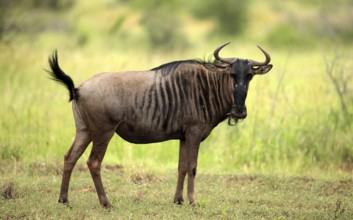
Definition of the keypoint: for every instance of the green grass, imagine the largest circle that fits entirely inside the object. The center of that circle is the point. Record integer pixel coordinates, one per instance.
(31, 191)
(291, 158)
(294, 125)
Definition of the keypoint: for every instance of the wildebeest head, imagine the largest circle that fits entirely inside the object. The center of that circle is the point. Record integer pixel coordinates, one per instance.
(242, 71)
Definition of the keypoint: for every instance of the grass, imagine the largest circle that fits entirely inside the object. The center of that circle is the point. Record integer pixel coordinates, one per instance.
(136, 193)
(291, 158)
(287, 131)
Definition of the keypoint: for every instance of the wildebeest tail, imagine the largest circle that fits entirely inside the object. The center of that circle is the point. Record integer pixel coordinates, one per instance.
(58, 75)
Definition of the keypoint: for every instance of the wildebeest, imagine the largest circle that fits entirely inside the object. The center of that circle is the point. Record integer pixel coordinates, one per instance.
(181, 100)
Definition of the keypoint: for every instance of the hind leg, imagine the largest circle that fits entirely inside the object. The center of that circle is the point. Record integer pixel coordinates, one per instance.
(182, 170)
(100, 143)
(82, 140)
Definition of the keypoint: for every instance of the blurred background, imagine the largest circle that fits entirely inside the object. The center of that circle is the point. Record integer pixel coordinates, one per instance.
(299, 115)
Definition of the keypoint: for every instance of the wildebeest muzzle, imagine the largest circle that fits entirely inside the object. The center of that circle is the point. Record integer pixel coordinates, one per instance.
(237, 113)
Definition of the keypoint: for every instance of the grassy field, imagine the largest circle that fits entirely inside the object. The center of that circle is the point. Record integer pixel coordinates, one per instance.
(31, 191)
(291, 158)
(294, 125)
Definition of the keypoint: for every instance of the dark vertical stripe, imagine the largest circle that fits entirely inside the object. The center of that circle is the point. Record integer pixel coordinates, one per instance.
(169, 104)
(207, 95)
(135, 98)
(195, 96)
(158, 103)
(210, 96)
(187, 86)
(144, 103)
(183, 97)
(148, 101)
(203, 95)
(216, 95)
(155, 107)
(163, 106)
(138, 105)
(177, 100)
(148, 105)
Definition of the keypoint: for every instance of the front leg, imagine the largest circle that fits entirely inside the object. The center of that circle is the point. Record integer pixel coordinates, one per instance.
(192, 167)
(188, 154)
(193, 137)
(187, 165)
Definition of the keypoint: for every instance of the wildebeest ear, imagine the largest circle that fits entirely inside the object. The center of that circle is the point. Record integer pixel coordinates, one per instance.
(263, 69)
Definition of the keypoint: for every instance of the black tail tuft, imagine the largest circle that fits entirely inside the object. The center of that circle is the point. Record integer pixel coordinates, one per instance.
(58, 75)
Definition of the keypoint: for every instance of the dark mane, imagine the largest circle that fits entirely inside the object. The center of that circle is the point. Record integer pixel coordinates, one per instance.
(168, 68)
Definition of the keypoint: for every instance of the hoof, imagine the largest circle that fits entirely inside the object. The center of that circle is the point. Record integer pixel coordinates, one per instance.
(106, 205)
(64, 201)
(179, 201)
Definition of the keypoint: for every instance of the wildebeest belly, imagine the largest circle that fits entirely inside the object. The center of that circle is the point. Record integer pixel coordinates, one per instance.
(135, 134)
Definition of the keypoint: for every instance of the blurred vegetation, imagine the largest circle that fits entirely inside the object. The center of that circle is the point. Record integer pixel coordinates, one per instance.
(18, 16)
(339, 71)
(300, 114)
(305, 24)
(230, 16)
(167, 24)
(161, 24)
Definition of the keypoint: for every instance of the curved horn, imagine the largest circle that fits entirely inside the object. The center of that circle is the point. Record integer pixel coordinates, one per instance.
(215, 53)
(267, 61)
